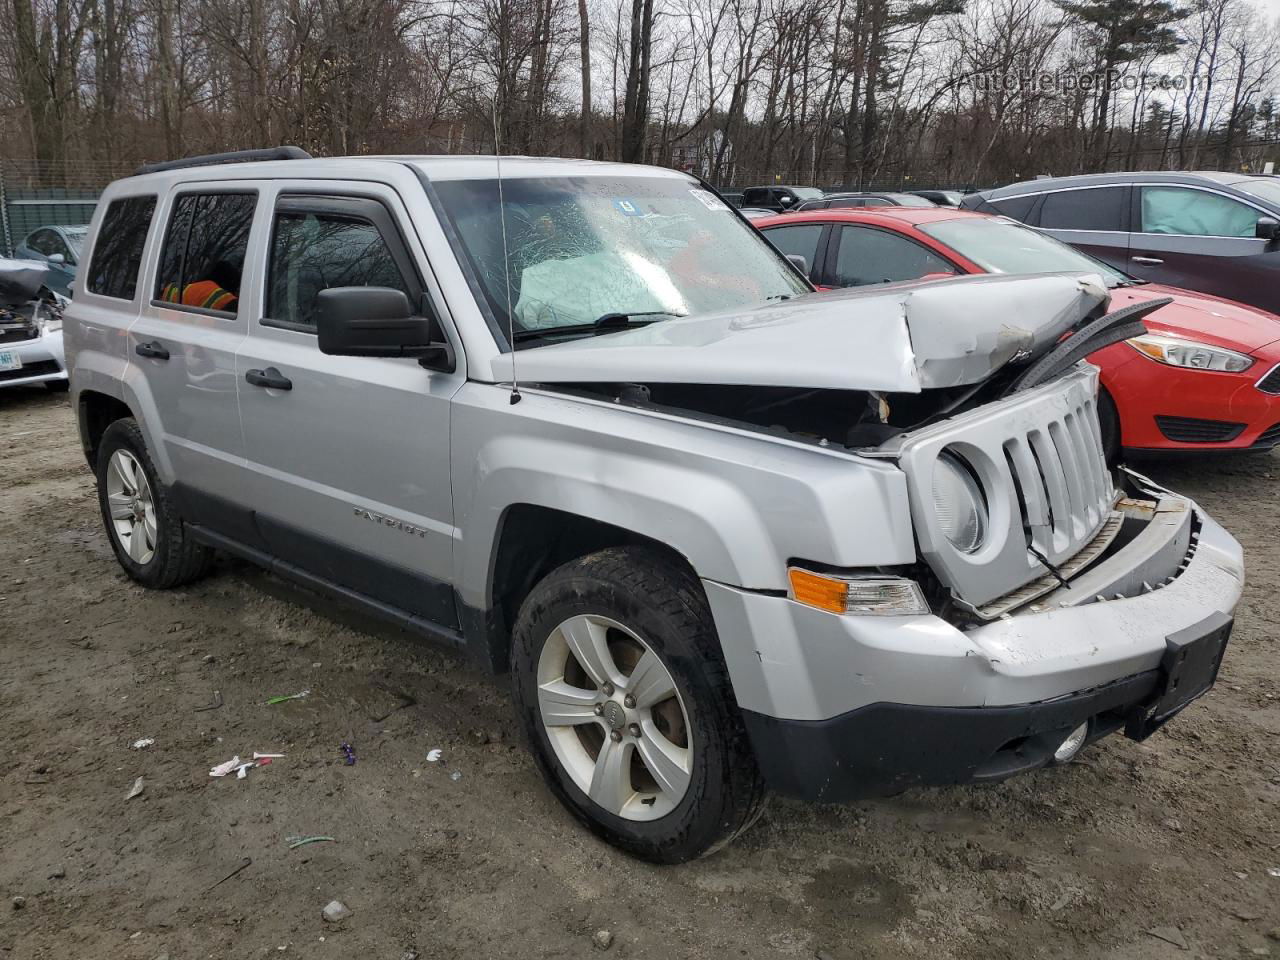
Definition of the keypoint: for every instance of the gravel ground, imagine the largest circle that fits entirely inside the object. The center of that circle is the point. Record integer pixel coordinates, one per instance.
(1146, 850)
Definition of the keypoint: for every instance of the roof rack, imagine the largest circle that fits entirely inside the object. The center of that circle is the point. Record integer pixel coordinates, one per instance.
(234, 156)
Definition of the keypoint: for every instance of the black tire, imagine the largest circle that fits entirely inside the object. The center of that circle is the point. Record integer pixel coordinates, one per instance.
(177, 558)
(57, 386)
(1109, 421)
(662, 603)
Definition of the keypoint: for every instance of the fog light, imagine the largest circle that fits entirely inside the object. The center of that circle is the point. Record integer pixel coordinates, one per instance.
(1069, 747)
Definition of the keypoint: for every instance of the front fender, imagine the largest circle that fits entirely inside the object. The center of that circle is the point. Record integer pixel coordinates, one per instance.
(739, 506)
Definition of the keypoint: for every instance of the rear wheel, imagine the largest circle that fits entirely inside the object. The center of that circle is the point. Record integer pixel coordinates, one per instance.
(627, 704)
(142, 521)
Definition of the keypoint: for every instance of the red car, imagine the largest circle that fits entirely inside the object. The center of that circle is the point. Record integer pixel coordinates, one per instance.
(1205, 377)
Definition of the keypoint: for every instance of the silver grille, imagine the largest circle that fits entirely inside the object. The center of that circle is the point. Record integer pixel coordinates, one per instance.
(1038, 457)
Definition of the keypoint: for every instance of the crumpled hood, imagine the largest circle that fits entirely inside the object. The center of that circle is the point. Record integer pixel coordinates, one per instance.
(20, 280)
(901, 338)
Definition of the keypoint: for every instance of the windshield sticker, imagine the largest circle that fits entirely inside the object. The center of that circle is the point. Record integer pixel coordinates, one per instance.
(628, 208)
(709, 200)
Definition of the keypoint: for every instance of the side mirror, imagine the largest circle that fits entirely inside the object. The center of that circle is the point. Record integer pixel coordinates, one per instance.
(1267, 228)
(378, 322)
(58, 259)
(786, 201)
(799, 262)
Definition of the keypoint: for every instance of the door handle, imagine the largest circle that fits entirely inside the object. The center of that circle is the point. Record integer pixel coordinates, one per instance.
(155, 350)
(271, 378)
(1151, 260)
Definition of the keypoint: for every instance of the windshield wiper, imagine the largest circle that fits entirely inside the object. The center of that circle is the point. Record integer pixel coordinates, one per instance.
(621, 321)
(608, 323)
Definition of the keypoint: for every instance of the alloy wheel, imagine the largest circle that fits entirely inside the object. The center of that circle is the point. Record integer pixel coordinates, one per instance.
(132, 506)
(614, 718)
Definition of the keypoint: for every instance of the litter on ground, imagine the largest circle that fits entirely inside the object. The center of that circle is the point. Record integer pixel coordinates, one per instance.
(303, 841)
(222, 769)
(300, 695)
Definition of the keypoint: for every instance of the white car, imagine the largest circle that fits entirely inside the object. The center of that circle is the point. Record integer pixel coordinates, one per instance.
(30, 328)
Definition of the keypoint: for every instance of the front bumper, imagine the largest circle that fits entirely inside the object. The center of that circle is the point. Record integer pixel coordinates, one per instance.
(43, 359)
(1144, 391)
(819, 690)
(884, 748)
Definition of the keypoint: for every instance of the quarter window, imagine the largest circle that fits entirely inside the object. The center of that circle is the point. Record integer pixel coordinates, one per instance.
(313, 251)
(1101, 208)
(876, 256)
(1195, 213)
(1018, 208)
(204, 250)
(117, 252)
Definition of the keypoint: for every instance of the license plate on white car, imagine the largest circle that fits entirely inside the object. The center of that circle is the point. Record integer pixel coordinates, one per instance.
(9, 360)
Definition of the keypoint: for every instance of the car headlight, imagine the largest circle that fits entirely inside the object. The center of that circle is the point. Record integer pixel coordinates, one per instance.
(959, 504)
(1177, 352)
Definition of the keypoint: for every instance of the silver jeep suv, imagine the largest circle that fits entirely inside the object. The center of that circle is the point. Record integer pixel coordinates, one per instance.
(580, 421)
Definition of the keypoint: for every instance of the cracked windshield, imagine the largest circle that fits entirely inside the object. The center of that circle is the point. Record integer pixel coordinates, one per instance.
(590, 254)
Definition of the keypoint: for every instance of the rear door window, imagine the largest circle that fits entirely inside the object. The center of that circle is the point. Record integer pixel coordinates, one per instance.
(868, 256)
(204, 251)
(312, 250)
(1195, 213)
(755, 198)
(1100, 208)
(117, 251)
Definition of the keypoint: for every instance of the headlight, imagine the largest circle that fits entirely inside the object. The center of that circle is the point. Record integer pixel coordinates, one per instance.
(958, 503)
(1188, 353)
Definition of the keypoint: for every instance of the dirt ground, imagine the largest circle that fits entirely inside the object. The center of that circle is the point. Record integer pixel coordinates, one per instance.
(1174, 836)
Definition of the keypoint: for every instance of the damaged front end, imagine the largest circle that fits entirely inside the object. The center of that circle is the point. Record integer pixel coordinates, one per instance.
(973, 387)
(1055, 529)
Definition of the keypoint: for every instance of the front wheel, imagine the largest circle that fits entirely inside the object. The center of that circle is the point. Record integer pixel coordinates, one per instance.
(627, 704)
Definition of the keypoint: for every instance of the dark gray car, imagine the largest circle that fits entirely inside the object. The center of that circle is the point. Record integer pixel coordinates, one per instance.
(1217, 233)
(838, 201)
(779, 198)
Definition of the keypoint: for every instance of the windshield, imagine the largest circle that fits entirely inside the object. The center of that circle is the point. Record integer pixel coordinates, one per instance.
(1268, 190)
(75, 238)
(582, 248)
(911, 200)
(1001, 246)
